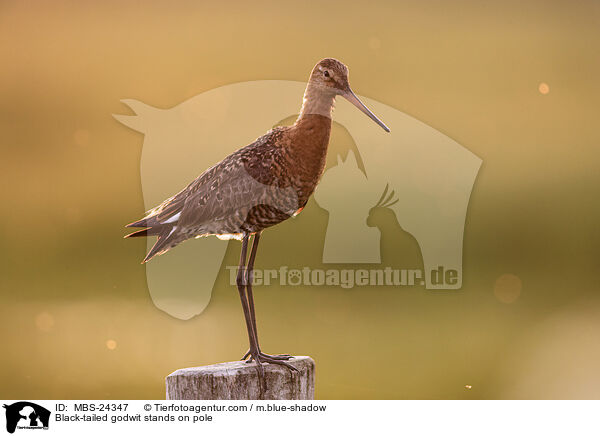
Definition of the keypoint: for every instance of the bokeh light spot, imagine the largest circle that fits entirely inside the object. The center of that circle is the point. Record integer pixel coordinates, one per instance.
(468, 387)
(507, 288)
(111, 344)
(544, 88)
(44, 321)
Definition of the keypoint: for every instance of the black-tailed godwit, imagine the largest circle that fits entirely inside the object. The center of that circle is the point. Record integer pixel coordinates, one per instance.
(256, 187)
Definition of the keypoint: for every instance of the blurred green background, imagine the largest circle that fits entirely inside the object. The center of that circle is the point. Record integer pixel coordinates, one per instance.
(76, 317)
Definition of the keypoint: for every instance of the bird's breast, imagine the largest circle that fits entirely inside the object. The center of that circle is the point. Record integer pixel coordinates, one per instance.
(308, 154)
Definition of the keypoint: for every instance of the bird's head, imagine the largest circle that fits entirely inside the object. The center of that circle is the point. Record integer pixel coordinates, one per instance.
(330, 76)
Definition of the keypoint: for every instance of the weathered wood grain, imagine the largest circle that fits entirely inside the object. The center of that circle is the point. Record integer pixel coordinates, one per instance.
(239, 381)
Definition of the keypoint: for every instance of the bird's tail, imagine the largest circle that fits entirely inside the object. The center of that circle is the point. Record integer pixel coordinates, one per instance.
(164, 242)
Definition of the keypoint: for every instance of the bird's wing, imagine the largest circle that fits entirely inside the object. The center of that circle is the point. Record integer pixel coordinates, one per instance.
(230, 189)
(237, 186)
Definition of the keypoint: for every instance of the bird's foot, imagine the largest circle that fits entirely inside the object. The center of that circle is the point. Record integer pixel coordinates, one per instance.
(279, 359)
(267, 356)
(259, 357)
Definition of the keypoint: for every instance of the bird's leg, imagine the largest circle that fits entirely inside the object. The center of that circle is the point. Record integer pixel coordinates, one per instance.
(250, 295)
(242, 290)
(249, 277)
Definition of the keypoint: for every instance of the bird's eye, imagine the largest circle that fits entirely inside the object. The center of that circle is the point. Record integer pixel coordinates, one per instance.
(326, 73)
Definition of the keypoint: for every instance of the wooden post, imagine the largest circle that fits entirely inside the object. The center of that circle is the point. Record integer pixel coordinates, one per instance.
(239, 381)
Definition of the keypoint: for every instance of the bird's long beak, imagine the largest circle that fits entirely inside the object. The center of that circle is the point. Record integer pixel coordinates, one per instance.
(352, 98)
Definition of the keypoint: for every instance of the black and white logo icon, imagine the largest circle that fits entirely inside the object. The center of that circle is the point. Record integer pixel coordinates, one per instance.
(26, 415)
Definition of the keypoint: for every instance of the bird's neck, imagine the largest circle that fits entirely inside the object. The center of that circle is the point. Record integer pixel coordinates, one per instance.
(310, 138)
(311, 129)
(317, 102)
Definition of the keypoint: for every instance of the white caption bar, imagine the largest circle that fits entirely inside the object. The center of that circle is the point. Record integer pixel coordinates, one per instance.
(302, 417)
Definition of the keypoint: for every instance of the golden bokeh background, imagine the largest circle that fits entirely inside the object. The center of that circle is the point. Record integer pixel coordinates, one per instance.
(514, 82)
